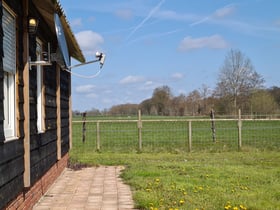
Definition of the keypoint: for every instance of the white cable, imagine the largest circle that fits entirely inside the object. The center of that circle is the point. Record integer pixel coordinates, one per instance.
(83, 76)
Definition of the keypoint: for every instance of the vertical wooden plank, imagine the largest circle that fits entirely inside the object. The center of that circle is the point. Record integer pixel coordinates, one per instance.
(139, 123)
(43, 98)
(190, 136)
(239, 130)
(58, 113)
(70, 114)
(98, 136)
(26, 127)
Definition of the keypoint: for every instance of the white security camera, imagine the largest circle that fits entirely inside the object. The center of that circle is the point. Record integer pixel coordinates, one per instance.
(100, 57)
(102, 60)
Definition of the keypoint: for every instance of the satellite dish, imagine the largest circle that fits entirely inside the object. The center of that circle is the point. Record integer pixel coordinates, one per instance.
(61, 40)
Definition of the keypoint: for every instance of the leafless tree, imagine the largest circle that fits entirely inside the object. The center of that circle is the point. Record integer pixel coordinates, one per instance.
(194, 102)
(237, 77)
(179, 105)
(205, 92)
(161, 99)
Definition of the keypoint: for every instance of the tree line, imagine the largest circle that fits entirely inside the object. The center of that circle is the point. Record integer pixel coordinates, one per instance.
(238, 86)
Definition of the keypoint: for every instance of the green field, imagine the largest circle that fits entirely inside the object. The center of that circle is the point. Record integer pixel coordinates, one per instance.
(173, 135)
(165, 175)
(228, 180)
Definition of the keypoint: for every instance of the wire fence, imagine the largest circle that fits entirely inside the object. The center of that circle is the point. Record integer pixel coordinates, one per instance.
(173, 135)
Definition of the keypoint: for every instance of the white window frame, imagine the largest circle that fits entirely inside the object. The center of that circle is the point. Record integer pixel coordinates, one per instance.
(40, 96)
(9, 66)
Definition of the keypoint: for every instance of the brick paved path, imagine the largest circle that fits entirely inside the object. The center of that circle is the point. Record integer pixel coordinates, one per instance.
(95, 188)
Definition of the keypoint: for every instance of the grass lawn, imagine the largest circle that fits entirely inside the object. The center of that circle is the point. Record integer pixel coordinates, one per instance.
(199, 180)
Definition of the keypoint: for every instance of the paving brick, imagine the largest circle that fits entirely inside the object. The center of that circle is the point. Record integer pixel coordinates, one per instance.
(91, 188)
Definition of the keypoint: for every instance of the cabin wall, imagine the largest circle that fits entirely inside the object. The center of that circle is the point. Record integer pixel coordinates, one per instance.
(45, 165)
(65, 92)
(11, 152)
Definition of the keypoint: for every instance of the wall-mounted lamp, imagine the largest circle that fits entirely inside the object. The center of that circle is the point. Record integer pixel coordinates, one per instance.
(32, 25)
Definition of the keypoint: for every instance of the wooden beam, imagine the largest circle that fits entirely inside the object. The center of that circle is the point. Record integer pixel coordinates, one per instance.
(26, 139)
(58, 113)
(70, 113)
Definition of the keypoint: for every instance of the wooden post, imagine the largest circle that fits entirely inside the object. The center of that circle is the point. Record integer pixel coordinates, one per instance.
(213, 127)
(139, 125)
(58, 113)
(239, 124)
(70, 114)
(98, 136)
(26, 108)
(84, 127)
(190, 136)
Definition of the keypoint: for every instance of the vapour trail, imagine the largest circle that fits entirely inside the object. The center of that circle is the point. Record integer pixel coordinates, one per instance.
(146, 18)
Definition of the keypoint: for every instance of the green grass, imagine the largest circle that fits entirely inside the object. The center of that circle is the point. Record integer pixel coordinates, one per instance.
(172, 136)
(198, 180)
(164, 175)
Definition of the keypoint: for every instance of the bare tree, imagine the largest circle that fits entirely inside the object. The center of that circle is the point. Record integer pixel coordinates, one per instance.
(205, 92)
(179, 105)
(237, 77)
(161, 99)
(193, 102)
(146, 106)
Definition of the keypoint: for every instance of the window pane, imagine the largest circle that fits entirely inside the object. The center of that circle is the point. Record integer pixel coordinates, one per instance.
(9, 42)
(9, 65)
(9, 105)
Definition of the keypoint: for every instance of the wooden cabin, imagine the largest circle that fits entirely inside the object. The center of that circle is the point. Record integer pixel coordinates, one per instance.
(35, 108)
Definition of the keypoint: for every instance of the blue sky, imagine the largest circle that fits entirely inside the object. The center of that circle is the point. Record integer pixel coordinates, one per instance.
(179, 43)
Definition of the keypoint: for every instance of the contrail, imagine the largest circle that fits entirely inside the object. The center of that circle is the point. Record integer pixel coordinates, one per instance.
(200, 21)
(167, 33)
(222, 12)
(146, 18)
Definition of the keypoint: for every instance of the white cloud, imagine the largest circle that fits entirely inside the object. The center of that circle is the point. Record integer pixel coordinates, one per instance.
(92, 95)
(85, 88)
(213, 42)
(131, 79)
(218, 14)
(89, 41)
(225, 11)
(177, 75)
(149, 85)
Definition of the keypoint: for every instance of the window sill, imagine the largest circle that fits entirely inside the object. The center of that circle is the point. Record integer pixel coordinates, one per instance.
(13, 138)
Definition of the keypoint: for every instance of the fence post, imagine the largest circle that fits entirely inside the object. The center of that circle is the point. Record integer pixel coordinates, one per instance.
(239, 130)
(190, 136)
(139, 125)
(84, 126)
(97, 136)
(213, 127)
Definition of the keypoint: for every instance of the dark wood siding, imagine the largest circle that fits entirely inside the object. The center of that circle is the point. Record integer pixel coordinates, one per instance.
(43, 146)
(11, 152)
(65, 84)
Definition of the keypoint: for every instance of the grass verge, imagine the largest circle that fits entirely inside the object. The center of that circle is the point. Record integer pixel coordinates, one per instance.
(228, 180)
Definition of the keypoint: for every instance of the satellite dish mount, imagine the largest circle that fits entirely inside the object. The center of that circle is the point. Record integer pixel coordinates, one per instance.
(62, 55)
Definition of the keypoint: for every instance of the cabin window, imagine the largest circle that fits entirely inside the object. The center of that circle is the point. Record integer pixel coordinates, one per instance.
(9, 66)
(40, 95)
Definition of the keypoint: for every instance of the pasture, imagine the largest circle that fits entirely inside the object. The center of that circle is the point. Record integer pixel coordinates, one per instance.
(164, 174)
